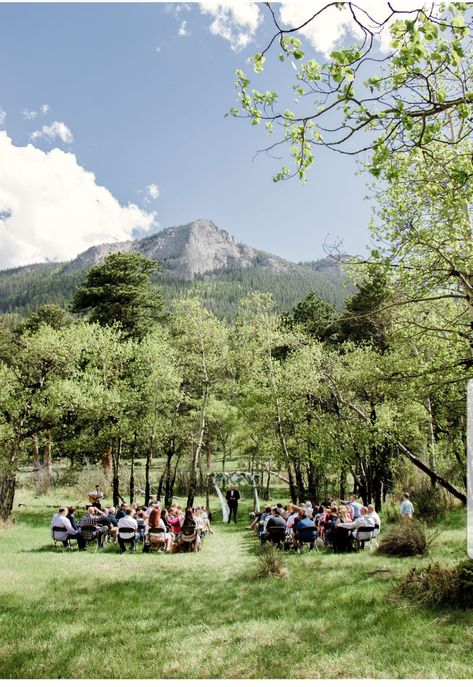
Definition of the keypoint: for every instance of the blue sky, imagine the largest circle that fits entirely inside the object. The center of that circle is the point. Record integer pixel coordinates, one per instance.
(142, 99)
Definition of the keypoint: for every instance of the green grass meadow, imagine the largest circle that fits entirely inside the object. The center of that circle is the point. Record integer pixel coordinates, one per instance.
(103, 615)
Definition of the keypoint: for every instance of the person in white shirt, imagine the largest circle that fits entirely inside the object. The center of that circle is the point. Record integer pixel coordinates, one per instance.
(373, 514)
(407, 509)
(365, 520)
(61, 520)
(129, 522)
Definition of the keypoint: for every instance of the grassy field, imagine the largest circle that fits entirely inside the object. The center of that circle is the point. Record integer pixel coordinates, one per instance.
(101, 615)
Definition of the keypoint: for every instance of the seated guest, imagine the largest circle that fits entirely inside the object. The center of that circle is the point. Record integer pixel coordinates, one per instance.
(153, 504)
(373, 514)
(121, 512)
(322, 522)
(308, 509)
(201, 523)
(363, 521)
(71, 512)
(305, 530)
(206, 519)
(96, 524)
(155, 520)
(95, 496)
(174, 521)
(141, 522)
(331, 523)
(262, 519)
(328, 501)
(275, 520)
(130, 523)
(112, 523)
(189, 519)
(61, 520)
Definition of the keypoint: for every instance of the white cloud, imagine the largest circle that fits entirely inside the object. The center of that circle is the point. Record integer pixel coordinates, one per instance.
(55, 130)
(235, 21)
(29, 114)
(327, 31)
(32, 114)
(51, 208)
(152, 191)
(183, 32)
(3, 116)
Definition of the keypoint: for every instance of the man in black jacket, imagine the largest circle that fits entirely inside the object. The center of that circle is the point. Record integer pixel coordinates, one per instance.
(232, 496)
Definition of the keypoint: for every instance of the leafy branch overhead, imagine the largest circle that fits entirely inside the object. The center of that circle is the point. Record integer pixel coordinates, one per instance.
(362, 100)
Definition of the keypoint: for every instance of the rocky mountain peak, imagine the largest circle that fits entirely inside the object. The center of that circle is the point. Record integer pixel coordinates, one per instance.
(186, 251)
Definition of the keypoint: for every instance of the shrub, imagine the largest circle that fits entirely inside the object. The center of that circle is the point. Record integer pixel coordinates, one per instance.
(271, 562)
(406, 539)
(439, 586)
(429, 504)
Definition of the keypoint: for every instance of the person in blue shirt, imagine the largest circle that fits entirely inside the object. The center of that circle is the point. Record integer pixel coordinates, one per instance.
(406, 509)
(305, 531)
(355, 506)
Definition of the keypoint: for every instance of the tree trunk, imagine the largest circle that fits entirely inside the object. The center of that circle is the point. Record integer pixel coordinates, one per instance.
(299, 481)
(149, 461)
(169, 484)
(198, 448)
(8, 483)
(132, 470)
(432, 461)
(343, 482)
(268, 484)
(173, 480)
(207, 483)
(35, 447)
(116, 472)
(7, 495)
(159, 493)
(47, 456)
(107, 460)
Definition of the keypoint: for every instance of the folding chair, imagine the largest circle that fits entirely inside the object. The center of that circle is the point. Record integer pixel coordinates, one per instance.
(307, 535)
(92, 530)
(131, 540)
(190, 538)
(155, 539)
(56, 532)
(276, 535)
(364, 535)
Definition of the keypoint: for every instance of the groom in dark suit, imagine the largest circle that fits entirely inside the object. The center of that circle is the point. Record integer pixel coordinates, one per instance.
(232, 496)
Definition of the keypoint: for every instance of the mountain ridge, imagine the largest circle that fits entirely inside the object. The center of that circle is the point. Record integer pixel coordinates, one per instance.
(195, 258)
(185, 251)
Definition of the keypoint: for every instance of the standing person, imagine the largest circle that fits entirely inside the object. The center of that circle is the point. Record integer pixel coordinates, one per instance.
(407, 509)
(232, 496)
(354, 506)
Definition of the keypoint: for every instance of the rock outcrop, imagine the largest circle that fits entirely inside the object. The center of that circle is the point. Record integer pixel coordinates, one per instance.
(186, 251)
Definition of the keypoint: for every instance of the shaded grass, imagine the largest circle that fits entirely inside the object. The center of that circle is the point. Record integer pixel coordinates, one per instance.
(92, 615)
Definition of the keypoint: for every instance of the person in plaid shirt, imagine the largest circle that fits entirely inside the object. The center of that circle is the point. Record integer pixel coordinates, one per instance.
(99, 521)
